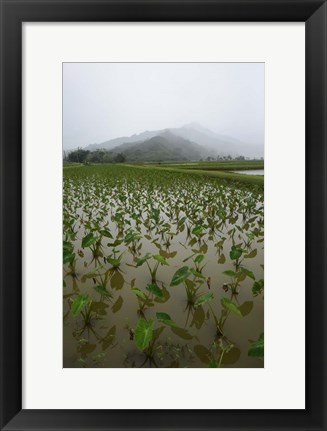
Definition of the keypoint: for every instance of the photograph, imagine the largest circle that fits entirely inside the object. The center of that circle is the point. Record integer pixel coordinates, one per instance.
(163, 215)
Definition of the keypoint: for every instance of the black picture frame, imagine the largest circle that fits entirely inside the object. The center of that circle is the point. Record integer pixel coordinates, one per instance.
(13, 14)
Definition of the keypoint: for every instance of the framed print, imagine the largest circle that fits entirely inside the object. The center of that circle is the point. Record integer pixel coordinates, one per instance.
(152, 276)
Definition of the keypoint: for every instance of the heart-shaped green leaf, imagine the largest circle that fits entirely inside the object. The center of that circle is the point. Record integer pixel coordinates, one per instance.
(229, 273)
(229, 305)
(143, 333)
(257, 348)
(197, 230)
(153, 288)
(88, 240)
(143, 259)
(165, 318)
(160, 259)
(203, 299)
(180, 275)
(79, 303)
(235, 253)
(139, 293)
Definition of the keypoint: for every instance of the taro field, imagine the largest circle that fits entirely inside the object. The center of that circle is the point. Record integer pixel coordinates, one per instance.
(161, 269)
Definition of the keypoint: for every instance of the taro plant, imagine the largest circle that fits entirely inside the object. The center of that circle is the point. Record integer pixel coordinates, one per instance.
(94, 243)
(144, 299)
(82, 305)
(256, 349)
(145, 337)
(132, 241)
(160, 260)
(194, 299)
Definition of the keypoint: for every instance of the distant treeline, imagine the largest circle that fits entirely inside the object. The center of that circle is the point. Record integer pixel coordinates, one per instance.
(104, 156)
(98, 156)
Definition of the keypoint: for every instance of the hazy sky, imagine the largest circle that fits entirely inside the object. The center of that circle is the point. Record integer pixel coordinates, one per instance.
(102, 101)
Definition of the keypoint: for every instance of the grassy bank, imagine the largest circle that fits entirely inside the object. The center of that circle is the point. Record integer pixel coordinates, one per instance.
(219, 170)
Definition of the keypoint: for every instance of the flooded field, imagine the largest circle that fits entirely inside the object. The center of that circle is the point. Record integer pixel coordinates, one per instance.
(251, 172)
(161, 269)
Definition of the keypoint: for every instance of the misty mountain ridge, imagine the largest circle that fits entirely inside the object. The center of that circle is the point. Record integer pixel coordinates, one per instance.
(189, 142)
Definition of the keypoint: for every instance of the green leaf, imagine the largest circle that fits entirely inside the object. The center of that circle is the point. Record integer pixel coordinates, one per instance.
(257, 348)
(235, 252)
(197, 230)
(68, 246)
(248, 273)
(165, 296)
(188, 258)
(257, 287)
(114, 262)
(165, 318)
(139, 293)
(79, 303)
(213, 364)
(153, 288)
(68, 257)
(229, 273)
(106, 233)
(229, 305)
(196, 273)
(199, 258)
(115, 243)
(143, 333)
(180, 275)
(91, 273)
(181, 221)
(253, 253)
(143, 259)
(160, 259)
(203, 299)
(88, 240)
(129, 237)
(103, 291)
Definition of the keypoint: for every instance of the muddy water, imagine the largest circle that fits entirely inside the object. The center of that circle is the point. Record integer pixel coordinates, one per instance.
(193, 342)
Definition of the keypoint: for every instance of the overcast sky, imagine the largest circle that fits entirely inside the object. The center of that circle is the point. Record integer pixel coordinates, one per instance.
(102, 101)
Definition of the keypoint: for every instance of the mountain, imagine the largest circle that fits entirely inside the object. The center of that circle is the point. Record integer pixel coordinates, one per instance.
(189, 142)
(163, 147)
(221, 144)
(112, 143)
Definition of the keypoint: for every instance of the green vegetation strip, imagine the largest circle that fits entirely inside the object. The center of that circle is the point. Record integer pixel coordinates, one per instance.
(256, 180)
(231, 165)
